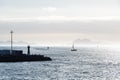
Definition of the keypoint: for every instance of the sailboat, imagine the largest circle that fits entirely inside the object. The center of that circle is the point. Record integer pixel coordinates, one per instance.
(73, 48)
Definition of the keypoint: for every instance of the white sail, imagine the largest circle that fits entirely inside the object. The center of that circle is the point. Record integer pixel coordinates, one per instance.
(73, 48)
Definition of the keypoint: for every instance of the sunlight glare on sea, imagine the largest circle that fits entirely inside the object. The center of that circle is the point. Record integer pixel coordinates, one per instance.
(88, 63)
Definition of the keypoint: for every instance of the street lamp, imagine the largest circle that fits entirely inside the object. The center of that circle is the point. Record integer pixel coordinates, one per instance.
(11, 50)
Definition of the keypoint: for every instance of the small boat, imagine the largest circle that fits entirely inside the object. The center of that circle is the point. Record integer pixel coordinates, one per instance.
(48, 48)
(73, 48)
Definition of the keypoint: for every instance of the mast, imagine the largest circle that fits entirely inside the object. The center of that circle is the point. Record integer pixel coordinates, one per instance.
(11, 42)
(73, 46)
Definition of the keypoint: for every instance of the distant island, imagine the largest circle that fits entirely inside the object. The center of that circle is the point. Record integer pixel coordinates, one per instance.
(85, 42)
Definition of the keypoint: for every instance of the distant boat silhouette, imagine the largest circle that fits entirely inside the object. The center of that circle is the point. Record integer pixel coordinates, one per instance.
(73, 48)
(48, 48)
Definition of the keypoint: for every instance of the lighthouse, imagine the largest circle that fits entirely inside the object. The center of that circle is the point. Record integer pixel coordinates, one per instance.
(28, 52)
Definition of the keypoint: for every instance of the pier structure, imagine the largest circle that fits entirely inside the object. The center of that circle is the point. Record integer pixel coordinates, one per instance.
(12, 55)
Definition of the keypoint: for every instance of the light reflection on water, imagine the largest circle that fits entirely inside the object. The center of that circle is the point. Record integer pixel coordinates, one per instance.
(84, 64)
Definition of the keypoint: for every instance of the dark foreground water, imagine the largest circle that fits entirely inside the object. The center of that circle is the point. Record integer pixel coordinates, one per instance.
(84, 64)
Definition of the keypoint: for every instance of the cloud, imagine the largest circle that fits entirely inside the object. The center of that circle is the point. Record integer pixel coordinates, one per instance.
(15, 43)
(49, 9)
(58, 18)
(69, 8)
(89, 17)
(60, 26)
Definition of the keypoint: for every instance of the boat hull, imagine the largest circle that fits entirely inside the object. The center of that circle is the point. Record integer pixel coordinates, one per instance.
(73, 49)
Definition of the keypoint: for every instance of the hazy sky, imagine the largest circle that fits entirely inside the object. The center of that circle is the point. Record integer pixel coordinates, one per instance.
(52, 22)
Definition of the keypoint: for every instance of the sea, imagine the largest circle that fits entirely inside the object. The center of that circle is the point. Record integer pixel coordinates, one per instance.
(87, 63)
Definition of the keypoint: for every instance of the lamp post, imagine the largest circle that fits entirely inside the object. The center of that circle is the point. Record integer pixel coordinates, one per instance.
(11, 42)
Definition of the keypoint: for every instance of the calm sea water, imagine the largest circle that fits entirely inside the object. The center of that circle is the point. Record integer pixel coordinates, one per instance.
(87, 63)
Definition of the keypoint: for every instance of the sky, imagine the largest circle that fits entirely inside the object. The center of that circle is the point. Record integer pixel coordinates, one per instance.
(60, 22)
